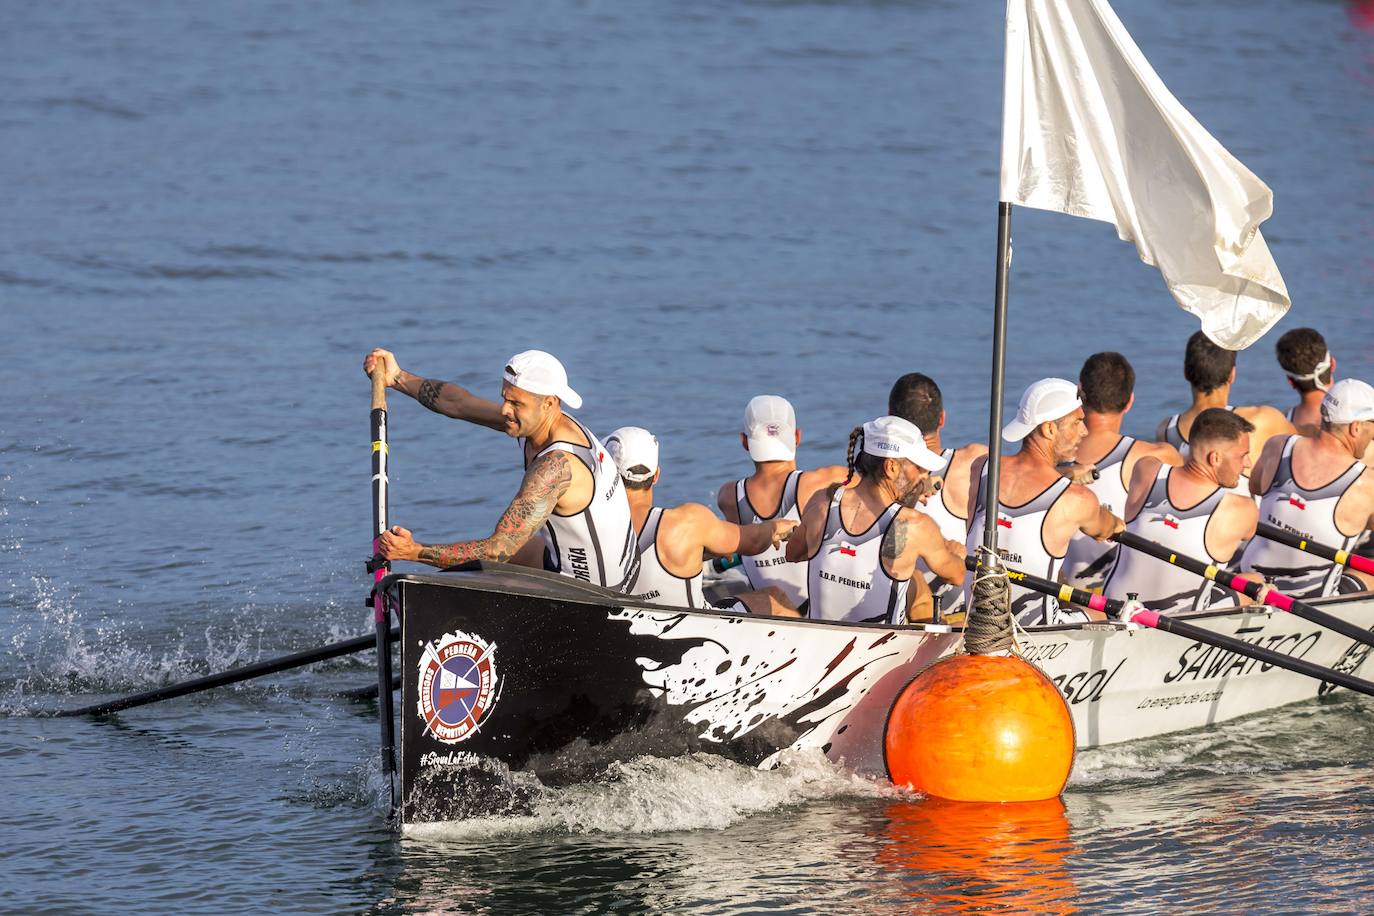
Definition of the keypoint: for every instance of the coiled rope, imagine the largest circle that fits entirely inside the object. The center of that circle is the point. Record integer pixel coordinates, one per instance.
(988, 627)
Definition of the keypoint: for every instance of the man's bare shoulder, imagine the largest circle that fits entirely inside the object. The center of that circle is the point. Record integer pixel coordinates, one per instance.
(689, 514)
(825, 476)
(967, 454)
(1161, 452)
(1264, 416)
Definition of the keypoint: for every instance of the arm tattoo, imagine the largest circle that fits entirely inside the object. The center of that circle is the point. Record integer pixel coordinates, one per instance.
(430, 390)
(894, 545)
(545, 483)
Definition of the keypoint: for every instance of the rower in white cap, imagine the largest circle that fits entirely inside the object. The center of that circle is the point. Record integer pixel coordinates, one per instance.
(862, 544)
(776, 490)
(1039, 510)
(673, 541)
(1319, 489)
(571, 493)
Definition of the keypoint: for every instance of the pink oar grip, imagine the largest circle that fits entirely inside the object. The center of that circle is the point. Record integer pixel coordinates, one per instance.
(1363, 564)
(1146, 618)
(1279, 600)
(1098, 603)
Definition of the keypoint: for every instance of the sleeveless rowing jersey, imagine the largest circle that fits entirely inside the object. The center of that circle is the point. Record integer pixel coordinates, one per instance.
(1310, 514)
(656, 584)
(1021, 543)
(596, 545)
(1088, 561)
(771, 566)
(845, 576)
(952, 528)
(1162, 586)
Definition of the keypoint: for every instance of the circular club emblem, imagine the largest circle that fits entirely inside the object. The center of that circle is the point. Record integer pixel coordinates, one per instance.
(458, 685)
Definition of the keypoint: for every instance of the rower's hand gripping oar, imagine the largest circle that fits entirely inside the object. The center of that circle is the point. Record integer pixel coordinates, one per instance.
(1156, 621)
(1298, 542)
(379, 568)
(1235, 583)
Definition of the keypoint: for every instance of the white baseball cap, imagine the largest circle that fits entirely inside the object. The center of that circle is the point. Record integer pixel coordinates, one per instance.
(633, 447)
(541, 373)
(1046, 400)
(770, 425)
(1348, 401)
(893, 437)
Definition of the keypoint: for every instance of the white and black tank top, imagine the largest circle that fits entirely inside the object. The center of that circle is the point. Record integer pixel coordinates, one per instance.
(947, 596)
(1310, 514)
(654, 583)
(845, 576)
(1021, 543)
(596, 545)
(1089, 560)
(771, 566)
(1161, 586)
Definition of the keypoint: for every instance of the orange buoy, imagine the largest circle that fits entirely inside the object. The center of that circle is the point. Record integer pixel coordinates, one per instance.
(980, 728)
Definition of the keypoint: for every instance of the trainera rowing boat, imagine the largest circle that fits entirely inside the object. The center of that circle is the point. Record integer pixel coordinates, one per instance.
(507, 670)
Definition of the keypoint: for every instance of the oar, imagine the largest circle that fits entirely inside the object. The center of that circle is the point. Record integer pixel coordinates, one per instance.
(224, 678)
(1297, 542)
(1235, 583)
(1157, 621)
(379, 568)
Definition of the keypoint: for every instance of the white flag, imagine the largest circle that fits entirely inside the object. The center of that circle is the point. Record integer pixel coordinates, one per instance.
(1089, 129)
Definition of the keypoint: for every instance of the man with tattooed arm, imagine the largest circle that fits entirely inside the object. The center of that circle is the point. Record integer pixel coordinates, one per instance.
(571, 493)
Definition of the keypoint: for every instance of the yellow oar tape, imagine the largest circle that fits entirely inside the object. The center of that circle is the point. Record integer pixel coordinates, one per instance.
(380, 446)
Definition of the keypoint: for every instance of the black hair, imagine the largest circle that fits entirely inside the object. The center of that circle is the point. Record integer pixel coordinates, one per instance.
(1299, 351)
(1107, 380)
(855, 458)
(1205, 365)
(916, 398)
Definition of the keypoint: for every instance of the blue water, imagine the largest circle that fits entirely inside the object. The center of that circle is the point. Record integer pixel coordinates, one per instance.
(211, 212)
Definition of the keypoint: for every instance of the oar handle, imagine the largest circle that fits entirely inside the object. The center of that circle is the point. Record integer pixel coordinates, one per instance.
(1235, 583)
(1298, 542)
(379, 385)
(1058, 590)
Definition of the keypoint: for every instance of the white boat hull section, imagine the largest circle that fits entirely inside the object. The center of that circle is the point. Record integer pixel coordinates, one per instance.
(836, 684)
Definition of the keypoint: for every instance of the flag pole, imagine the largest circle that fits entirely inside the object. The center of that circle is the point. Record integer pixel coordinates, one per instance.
(999, 365)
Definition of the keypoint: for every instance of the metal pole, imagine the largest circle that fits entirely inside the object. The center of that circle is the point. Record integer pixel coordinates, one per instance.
(380, 614)
(999, 365)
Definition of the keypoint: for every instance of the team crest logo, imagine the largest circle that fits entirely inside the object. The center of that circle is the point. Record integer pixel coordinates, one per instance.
(1296, 501)
(458, 685)
(1169, 520)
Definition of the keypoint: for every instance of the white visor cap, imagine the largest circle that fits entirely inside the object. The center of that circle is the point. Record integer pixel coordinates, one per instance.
(1048, 399)
(633, 447)
(1348, 401)
(893, 437)
(770, 425)
(541, 373)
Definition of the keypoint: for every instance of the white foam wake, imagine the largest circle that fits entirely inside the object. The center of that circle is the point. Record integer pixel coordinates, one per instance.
(656, 795)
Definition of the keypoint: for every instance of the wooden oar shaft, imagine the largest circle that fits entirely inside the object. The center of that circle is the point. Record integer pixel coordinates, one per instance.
(1158, 621)
(1298, 542)
(224, 678)
(1235, 583)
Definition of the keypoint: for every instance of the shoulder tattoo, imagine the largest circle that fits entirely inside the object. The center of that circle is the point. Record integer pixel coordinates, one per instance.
(894, 545)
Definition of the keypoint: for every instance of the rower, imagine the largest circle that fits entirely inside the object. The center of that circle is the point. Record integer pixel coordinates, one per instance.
(771, 438)
(1310, 368)
(1211, 371)
(1337, 512)
(1193, 510)
(861, 544)
(1106, 383)
(917, 399)
(1039, 510)
(571, 493)
(673, 541)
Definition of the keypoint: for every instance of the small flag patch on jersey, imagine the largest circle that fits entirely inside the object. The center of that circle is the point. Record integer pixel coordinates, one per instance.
(1294, 500)
(1003, 521)
(1170, 521)
(848, 551)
